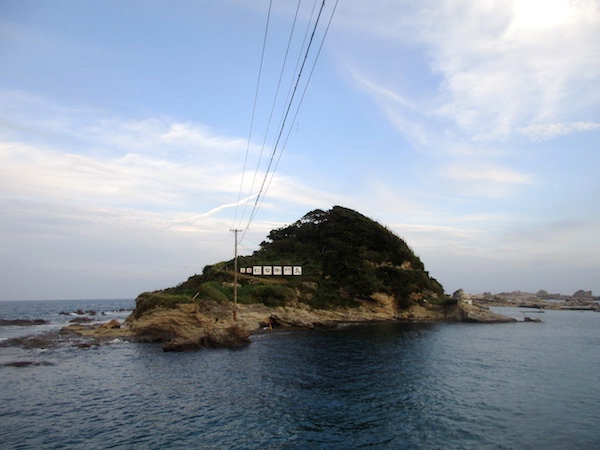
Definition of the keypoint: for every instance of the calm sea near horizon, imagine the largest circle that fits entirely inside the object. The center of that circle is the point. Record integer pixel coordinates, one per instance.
(390, 385)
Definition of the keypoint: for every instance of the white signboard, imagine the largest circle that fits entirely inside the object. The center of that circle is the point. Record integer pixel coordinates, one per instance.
(272, 270)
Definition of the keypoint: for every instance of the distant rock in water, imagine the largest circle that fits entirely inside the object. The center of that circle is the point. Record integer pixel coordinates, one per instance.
(581, 294)
(81, 320)
(22, 322)
(27, 363)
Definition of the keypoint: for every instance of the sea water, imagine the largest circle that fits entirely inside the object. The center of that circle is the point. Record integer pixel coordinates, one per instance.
(390, 385)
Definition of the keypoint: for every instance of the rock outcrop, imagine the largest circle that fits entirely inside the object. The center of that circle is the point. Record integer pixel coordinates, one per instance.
(353, 270)
(188, 327)
(476, 314)
(21, 322)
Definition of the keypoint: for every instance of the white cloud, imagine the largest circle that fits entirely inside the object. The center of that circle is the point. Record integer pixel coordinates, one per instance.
(492, 174)
(35, 171)
(485, 180)
(502, 65)
(499, 78)
(494, 71)
(85, 189)
(538, 14)
(100, 251)
(542, 132)
(387, 95)
(197, 137)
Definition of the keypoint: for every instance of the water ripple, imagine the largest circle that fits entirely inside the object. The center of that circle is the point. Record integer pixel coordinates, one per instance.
(380, 386)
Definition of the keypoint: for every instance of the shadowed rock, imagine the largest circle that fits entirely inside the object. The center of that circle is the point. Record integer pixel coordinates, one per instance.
(21, 322)
(27, 363)
(81, 320)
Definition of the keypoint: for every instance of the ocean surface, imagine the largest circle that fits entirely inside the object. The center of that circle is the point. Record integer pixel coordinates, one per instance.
(390, 386)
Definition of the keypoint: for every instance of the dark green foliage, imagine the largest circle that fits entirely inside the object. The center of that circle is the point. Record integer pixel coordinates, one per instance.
(188, 287)
(348, 248)
(328, 295)
(151, 300)
(401, 283)
(218, 272)
(213, 290)
(269, 294)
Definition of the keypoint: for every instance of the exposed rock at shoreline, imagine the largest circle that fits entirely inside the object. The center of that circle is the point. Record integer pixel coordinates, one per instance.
(540, 300)
(475, 314)
(27, 363)
(81, 320)
(191, 326)
(22, 322)
(188, 327)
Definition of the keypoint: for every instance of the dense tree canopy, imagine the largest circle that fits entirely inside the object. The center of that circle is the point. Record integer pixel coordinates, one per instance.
(355, 254)
(345, 257)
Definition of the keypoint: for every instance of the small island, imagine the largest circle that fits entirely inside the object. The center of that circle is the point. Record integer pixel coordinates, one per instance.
(327, 268)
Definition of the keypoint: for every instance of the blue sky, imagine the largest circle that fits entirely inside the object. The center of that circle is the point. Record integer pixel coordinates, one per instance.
(471, 129)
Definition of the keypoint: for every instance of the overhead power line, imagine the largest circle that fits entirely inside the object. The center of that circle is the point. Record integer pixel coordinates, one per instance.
(283, 65)
(262, 58)
(294, 100)
(300, 102)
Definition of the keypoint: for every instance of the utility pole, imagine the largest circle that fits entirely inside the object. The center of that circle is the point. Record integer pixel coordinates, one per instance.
(235, 274)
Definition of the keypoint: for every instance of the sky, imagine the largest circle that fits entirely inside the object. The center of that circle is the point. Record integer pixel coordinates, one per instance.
(134, 136)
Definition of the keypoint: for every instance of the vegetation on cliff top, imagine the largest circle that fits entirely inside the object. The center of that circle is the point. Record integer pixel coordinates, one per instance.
(344, 255)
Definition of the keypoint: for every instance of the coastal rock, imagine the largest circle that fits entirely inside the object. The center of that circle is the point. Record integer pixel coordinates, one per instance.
(192, 326)
(96, 333)
(162, 325)
(581, 294)
(27, 363)
(189, 327)
(113, 324)
(81, 320)
(37, 341)
(475, 314)
(232, 337)
(22, 322)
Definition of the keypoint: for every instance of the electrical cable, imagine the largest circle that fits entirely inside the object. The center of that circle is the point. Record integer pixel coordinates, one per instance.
(302, 97)
(262, 57)
(271, 114)
(262, 188)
